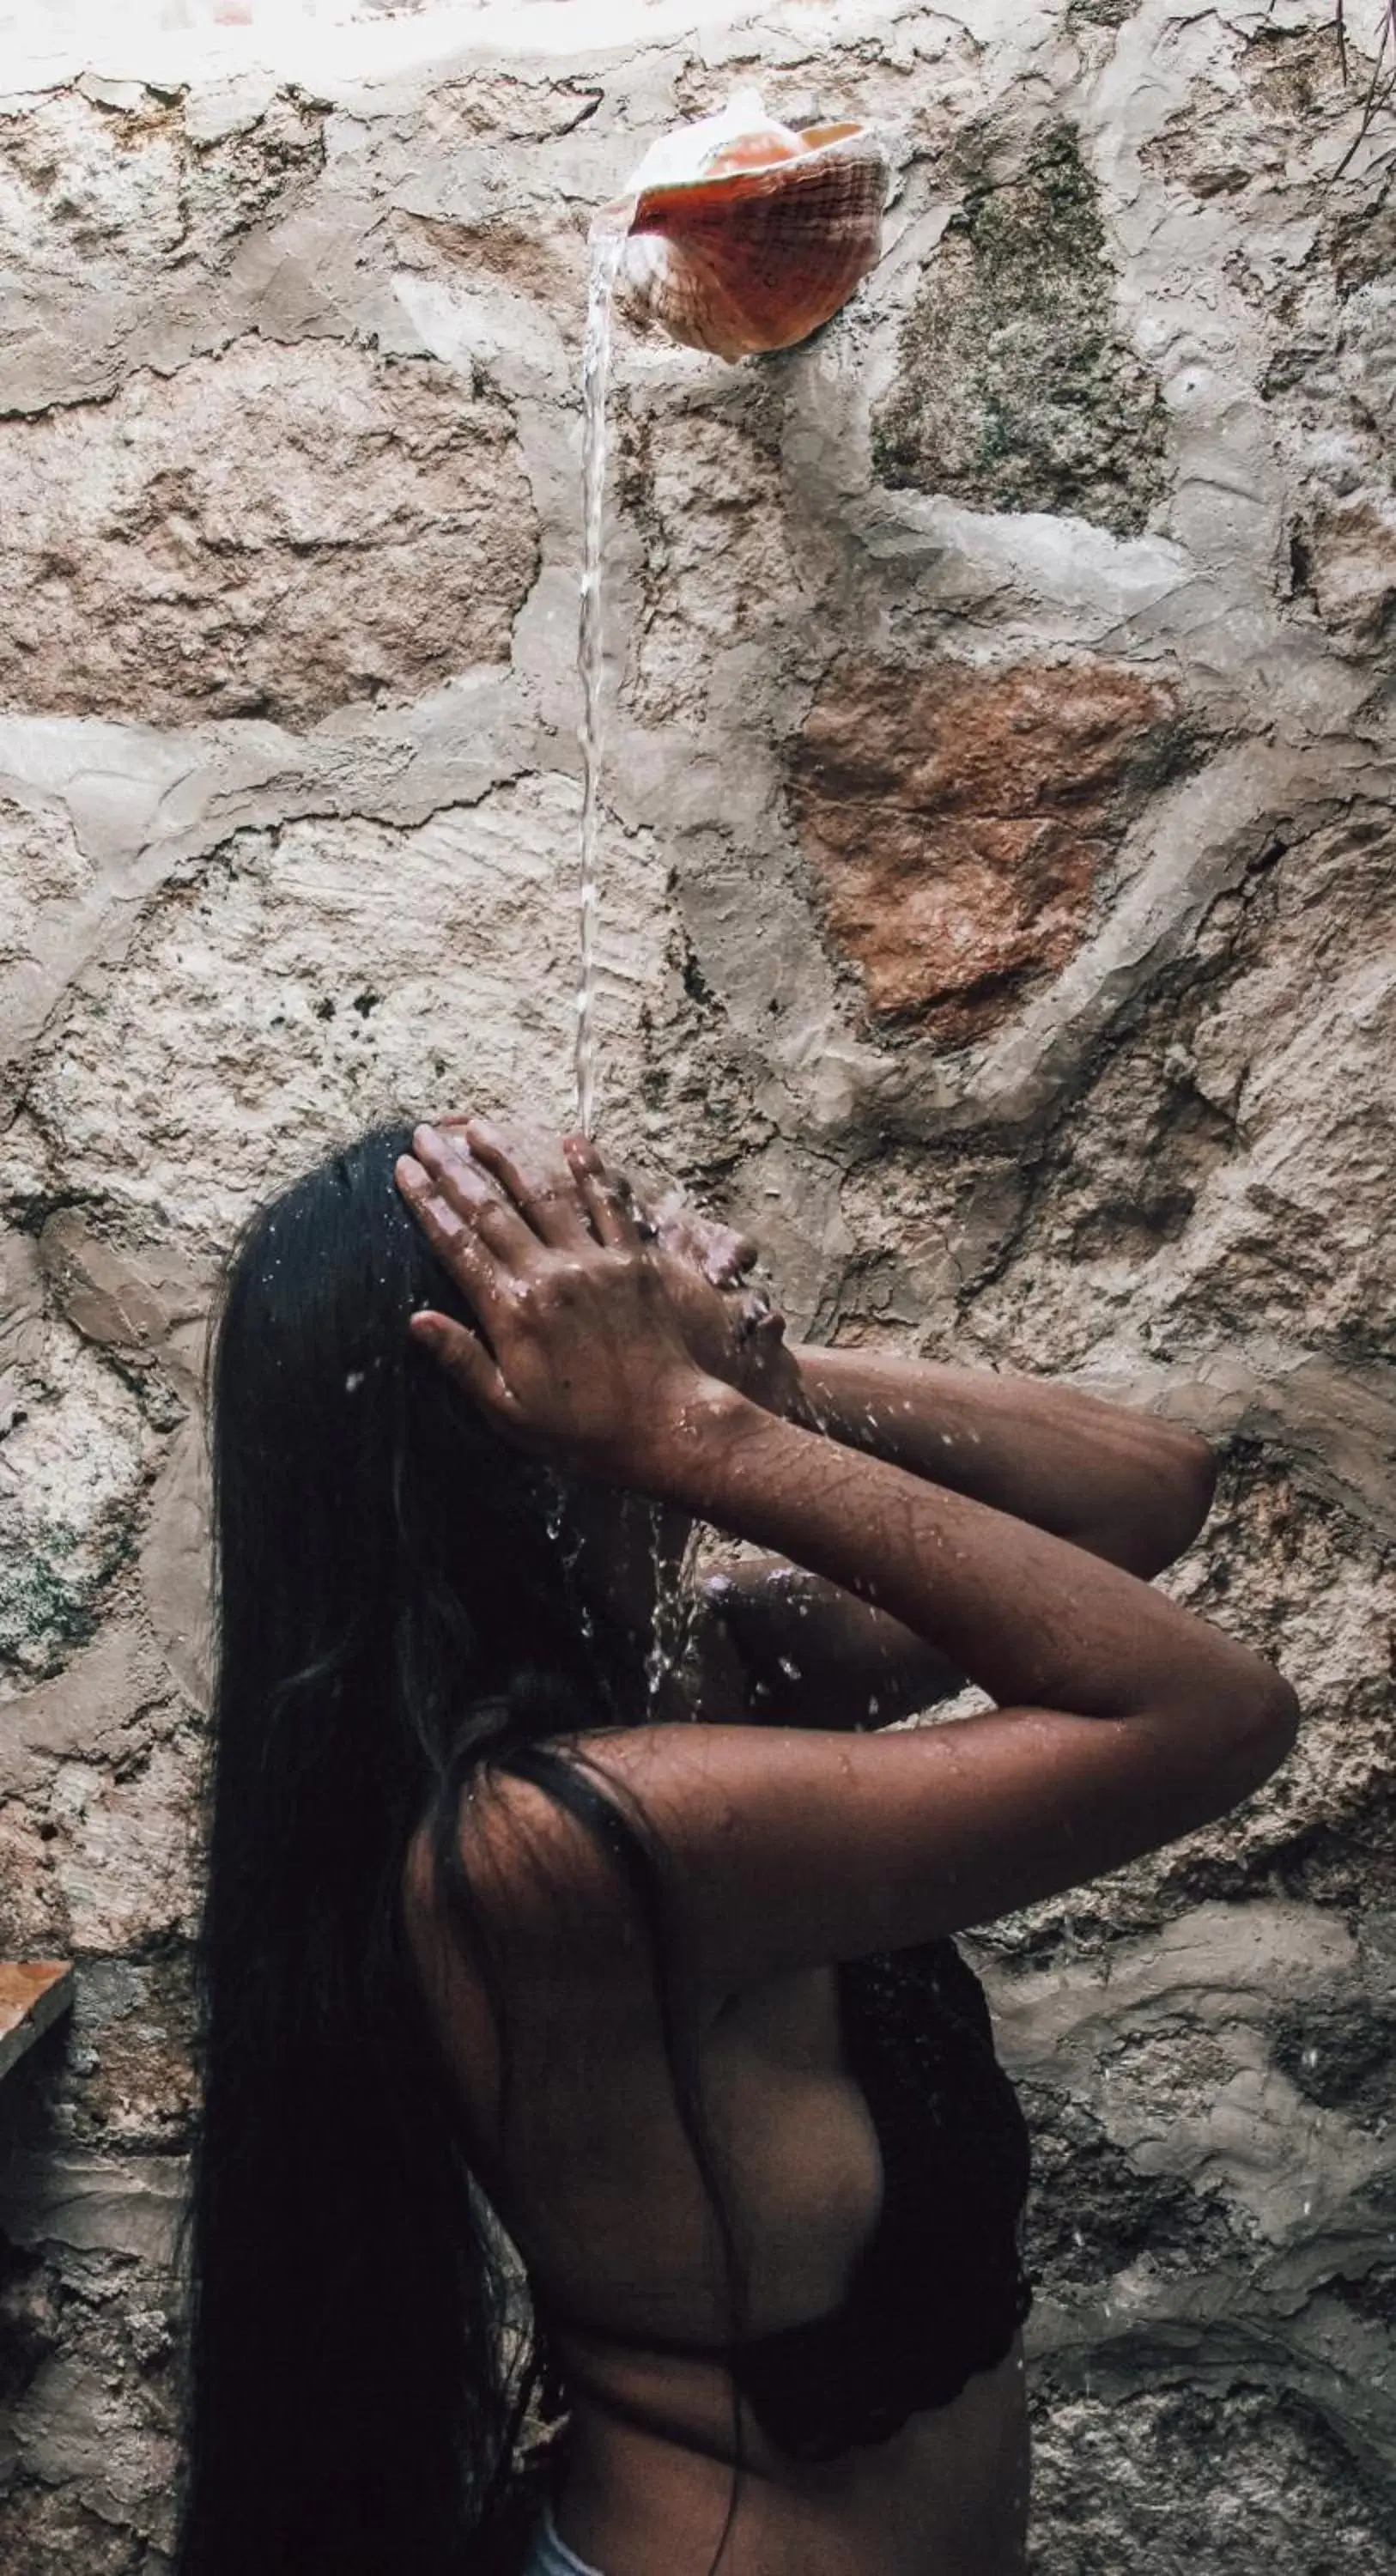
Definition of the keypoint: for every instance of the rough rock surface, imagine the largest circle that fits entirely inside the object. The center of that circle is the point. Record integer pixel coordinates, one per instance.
(959, 823)
(1016, 389)
(997, 914)
(268, 532)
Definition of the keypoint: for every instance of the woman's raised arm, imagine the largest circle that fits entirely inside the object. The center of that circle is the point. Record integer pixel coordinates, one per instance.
(1123, 1721)
(1121, 1484)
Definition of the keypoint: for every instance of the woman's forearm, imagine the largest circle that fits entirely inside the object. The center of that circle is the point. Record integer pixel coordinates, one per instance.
(1032, 1619)
(1122, 1485)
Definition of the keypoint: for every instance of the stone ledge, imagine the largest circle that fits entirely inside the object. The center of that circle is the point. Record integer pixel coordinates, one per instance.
(32, 1995)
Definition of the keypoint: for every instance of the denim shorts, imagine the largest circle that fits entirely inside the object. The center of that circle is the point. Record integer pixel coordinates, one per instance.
(549, 2556)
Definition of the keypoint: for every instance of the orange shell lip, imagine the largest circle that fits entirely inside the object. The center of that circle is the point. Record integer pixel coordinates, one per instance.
(674, 200)
(814, 138)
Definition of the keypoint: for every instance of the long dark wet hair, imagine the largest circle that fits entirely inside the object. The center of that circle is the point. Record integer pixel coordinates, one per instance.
(394, 1612)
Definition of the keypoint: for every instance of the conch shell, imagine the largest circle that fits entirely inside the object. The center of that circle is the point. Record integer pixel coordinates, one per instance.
(745, 234)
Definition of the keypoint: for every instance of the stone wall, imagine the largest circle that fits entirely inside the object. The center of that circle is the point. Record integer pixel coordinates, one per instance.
(997, 913)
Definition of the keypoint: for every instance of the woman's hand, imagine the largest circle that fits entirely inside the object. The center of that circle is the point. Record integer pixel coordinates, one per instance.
(578, 1350)
(731, 1327)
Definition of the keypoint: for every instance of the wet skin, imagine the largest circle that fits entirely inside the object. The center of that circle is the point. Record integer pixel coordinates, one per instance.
(919, 1523)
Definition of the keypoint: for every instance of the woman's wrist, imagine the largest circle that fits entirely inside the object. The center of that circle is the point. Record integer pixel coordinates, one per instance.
(690, 1456)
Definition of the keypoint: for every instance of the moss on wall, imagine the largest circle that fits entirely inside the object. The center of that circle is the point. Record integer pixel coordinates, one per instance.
(1016, 388)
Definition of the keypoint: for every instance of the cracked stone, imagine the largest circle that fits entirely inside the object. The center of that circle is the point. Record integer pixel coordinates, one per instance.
(1234, 2477)
(1352, 569)
(1094, 2212)
(97, 1777)
(125, 218)
(1250, 1169)
(83, 182)
(296, 990)
(719, 564)
(1340, 2056)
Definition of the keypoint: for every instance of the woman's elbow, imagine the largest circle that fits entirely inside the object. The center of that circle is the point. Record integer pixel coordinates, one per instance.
(1196, 1473)
(1263, 1730)
(1189, 1481)
(1167, 1506)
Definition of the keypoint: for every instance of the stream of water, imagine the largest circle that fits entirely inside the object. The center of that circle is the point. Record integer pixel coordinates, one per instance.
(673, 1594)
(607, 249)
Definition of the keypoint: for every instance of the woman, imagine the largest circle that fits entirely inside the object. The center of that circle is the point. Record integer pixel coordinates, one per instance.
(490, 1938)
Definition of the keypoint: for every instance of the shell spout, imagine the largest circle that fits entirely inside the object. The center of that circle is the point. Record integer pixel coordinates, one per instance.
(744, 235)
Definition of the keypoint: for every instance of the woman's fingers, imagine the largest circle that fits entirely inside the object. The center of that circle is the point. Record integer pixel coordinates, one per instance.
(473, 1196)
(537, 1177)
(607, 1200)
(567, 1193)
(464, 1357)
(456, 1242)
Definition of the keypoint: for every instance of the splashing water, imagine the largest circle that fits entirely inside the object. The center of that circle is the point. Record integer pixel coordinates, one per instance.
(608, 235)
(673, 1610)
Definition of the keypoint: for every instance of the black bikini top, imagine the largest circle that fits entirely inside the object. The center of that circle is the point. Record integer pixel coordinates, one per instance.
(939, 2292)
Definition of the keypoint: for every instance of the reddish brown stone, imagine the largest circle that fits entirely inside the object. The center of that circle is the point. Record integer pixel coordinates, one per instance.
(958, 823)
